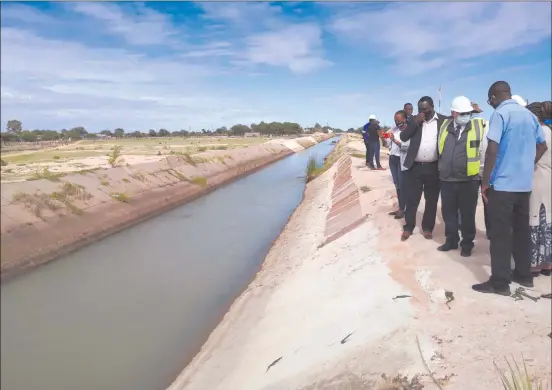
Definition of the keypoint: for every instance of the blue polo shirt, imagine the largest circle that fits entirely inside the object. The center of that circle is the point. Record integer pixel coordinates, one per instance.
(517, 132)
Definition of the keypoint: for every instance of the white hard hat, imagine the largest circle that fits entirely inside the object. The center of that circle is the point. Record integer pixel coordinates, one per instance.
(521, 101)
(371, 117)
(461, 104)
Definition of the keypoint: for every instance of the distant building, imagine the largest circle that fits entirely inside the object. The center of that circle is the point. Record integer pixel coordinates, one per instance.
(250, 135)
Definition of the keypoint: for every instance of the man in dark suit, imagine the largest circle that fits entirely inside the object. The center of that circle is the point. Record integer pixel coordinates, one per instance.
(421, 163)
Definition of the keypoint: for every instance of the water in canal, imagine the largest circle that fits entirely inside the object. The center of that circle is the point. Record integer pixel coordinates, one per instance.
(130, 311)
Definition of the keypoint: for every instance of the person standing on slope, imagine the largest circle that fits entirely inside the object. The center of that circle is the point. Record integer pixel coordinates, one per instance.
(516, 142)
(395, 164)
(371, 132)
(421, 173)
(459, 142)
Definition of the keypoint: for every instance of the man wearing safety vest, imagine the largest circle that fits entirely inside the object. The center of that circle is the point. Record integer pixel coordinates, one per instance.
(459, 147)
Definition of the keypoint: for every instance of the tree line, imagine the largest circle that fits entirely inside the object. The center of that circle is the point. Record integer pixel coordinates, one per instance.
(14, 132)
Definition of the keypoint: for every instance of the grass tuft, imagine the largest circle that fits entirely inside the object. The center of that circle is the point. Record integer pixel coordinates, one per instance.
(519, 379)
(121, 197)
(199, 180)
(313, 169)
(46, 174)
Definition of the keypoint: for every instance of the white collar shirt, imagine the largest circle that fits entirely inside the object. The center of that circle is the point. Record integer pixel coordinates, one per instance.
(428, 144)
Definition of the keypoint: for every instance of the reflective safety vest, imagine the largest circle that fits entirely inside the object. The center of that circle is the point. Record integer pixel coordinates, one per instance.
(473, 143)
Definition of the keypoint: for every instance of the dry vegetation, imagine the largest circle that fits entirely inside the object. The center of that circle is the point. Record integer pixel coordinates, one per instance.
(84, 156)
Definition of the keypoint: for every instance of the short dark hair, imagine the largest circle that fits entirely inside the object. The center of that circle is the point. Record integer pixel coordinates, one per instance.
(401, 112)
(407, 104)
(426, 99)
(500, 87)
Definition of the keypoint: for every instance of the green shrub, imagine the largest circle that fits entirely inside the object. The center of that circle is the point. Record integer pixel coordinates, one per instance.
(56, 157)
(114, 155)
(3, 163)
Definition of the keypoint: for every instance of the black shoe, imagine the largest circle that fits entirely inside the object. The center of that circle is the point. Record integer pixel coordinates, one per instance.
(546, 272)
(525, 282)
(489, 288)
(466, 252)
(399, 215)
(392, 213)
(447, 246)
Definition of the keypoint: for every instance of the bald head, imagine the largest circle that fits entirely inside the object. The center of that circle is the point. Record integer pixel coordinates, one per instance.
(498, 92)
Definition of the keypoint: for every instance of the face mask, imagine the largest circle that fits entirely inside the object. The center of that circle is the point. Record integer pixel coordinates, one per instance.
(462, 120)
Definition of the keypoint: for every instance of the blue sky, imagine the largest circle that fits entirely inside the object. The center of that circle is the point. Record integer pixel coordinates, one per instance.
(203, 65)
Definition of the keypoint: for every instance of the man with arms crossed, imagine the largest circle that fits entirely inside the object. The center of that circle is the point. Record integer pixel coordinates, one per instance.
(515, 143)
(421, 174)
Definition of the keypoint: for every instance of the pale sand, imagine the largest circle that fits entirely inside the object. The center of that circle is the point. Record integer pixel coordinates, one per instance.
(306, 299)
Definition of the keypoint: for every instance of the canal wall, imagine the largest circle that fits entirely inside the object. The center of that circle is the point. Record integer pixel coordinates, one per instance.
(44, 219)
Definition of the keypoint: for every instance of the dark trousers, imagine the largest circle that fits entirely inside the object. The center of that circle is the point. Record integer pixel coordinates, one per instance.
(367, 144)
(421, 178)
(395, 168)
(459, 198)
(510, 235)
(486, 214)
(373, 151)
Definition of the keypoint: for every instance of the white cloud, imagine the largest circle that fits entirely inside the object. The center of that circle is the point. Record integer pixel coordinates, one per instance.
(44, 80)
(137, 24)
(298, 47)
(431, 35)
(269, 37)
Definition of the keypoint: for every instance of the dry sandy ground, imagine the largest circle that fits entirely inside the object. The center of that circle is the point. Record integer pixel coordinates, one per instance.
(308, 298)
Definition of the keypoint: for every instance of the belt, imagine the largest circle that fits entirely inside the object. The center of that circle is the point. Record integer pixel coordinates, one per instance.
(425, 163)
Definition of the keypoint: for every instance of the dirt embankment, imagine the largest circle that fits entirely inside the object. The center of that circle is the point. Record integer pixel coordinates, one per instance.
(43, 219)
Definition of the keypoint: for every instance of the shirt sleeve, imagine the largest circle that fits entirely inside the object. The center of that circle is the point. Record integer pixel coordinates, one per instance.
(496, 127)
(482, 153)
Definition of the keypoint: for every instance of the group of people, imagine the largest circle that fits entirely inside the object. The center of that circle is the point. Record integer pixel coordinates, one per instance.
(460, 156)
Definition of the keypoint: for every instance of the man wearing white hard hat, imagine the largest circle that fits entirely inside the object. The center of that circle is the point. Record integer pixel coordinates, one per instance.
(519, 100)
(371, 132)
(459, 146)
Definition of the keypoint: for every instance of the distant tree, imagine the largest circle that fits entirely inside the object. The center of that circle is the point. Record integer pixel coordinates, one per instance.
(119, 133)
(152, 133)
(14, 126)
(107, 133)
(76, 133)
(239, 130)
(350, 130)
(28, 136)
(136, 134)
(317, 126)
(163, 133)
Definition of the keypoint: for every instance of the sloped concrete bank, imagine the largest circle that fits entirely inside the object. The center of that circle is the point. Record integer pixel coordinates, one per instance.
(44, 219)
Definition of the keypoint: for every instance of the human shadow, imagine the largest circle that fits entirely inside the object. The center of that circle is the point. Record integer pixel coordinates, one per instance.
(480, 254)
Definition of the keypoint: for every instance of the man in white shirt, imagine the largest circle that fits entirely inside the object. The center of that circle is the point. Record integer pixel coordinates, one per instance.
(421, 164)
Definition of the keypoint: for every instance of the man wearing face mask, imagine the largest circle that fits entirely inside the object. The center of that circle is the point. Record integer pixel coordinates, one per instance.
(459, 142)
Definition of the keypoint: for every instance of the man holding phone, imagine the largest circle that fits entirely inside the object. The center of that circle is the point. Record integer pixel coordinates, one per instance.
(421, 164)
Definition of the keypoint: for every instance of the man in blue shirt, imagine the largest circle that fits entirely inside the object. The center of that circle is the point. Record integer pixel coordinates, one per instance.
(515, 143)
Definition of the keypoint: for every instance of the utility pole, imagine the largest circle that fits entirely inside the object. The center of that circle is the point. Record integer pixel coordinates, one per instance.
(440, 90)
